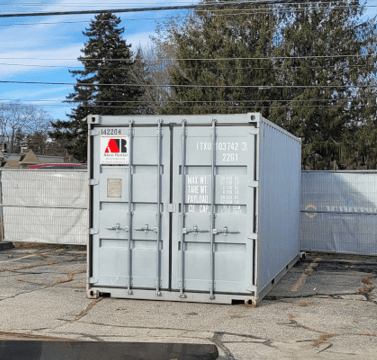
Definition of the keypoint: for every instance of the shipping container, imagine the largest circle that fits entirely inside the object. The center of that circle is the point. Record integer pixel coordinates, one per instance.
(200, 208)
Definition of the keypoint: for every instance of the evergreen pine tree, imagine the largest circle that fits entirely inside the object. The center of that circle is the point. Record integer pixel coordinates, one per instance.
(331, 109)
(231, 34)
(107, 60)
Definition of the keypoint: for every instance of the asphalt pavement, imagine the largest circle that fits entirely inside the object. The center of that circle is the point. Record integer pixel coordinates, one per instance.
(324, 307)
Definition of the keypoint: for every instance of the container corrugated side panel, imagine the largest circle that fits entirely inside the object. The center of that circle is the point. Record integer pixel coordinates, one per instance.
(279, 202)
(346, 221)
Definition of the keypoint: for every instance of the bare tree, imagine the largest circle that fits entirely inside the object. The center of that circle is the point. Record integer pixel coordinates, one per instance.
(153, 63)
(18, 120)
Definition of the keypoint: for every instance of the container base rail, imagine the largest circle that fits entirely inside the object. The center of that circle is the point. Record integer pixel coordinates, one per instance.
(229, 299)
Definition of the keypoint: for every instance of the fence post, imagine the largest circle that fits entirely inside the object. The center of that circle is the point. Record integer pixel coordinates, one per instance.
(1, 206)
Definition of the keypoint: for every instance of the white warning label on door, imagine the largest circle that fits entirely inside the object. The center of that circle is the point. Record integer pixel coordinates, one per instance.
(114, 150)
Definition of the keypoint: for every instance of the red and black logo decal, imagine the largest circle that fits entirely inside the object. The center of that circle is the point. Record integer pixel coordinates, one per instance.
(116, 146)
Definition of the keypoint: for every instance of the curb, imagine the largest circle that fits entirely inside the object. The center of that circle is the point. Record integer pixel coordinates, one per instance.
(47, 350)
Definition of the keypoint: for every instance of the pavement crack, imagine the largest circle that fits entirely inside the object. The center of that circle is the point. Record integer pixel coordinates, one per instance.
(327, 347)
(333, 295)
(244, 335)
(32, 282)
(23, 293)
(23, 336)
(82, 314)
(86, 310)
(217, 340)
(295, 324)
(253, 337)
(83, 335)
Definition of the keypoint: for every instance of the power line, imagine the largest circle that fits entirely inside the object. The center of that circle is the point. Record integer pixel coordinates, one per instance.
(259, 87)
(214, 107)
(86, 5)
(190, 101)
(204, 59)
(139, 9)
(191, 68)
(152, 3)
(215, 14)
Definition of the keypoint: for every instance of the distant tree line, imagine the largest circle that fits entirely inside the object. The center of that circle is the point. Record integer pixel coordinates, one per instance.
(308, 67)
(26, 125)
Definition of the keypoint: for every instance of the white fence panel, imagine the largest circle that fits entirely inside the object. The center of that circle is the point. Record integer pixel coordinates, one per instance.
(45, 206)
(339, 212)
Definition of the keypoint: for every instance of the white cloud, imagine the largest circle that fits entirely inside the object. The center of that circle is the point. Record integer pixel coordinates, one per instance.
(46, 57)
(27, 94)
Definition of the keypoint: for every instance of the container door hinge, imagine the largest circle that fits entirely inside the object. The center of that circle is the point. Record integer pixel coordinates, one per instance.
(93, 280)
(253, 236)
(253, 184)
(93, 231)
(93, 182)
(93, 132)
(172, 208)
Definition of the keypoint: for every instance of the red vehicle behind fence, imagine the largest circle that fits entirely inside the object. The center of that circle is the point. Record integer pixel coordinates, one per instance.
(57, 166)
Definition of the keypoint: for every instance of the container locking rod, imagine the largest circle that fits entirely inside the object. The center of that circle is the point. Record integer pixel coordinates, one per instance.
(213, 214)
(130, 212)
(157, 229)
(182, 295)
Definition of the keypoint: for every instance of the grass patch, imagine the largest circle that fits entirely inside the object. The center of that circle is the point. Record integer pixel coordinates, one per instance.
(366, 289)
(367, 279)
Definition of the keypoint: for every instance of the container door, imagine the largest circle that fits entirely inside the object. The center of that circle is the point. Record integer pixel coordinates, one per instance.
(130, 220)
(213, 172)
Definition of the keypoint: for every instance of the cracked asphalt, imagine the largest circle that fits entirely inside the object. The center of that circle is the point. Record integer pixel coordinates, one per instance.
(325, 306)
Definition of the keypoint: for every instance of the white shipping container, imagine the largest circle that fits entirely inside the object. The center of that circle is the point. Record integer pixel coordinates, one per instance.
(202, 208)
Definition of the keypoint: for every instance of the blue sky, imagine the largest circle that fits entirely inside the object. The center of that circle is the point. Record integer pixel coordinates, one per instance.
(55, 43)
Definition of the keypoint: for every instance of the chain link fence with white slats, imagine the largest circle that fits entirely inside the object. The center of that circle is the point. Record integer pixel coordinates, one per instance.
(45, 206)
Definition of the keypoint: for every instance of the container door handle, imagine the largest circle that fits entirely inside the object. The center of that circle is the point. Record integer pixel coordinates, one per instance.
(224, 231)
(117, 228)
(195, 230)
(146, 228)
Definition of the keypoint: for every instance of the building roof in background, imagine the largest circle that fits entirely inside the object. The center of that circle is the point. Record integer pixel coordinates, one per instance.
(30, 158)
(12, 163)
